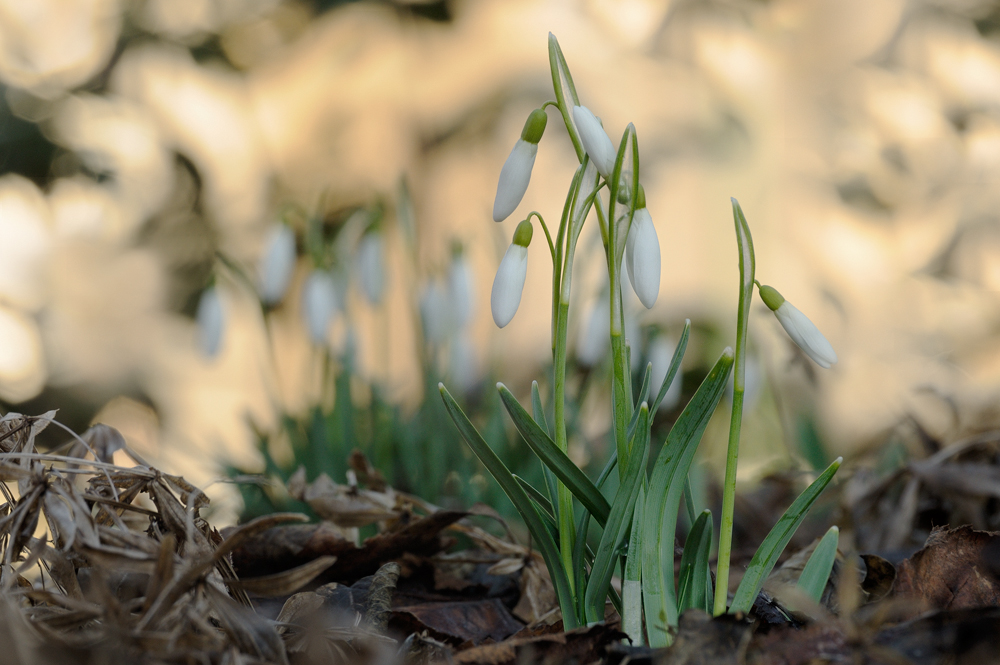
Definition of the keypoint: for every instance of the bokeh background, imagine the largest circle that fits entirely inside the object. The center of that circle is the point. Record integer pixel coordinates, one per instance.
(149, 147)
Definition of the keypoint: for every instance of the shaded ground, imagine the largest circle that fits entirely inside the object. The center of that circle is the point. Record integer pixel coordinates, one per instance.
(128, 569)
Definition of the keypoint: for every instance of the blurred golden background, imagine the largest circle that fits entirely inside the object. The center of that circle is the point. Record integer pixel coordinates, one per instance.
(149, 147)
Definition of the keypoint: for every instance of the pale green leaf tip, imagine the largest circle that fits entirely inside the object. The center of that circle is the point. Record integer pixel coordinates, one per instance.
(736, 204)
(500, 385)
(728, 352)
(706, 512)
(442, 388)
(834, 529)
(838, 461)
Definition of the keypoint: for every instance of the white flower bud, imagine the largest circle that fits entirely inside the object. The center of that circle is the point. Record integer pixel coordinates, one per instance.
(805, 333)
(211, 322)
(434, 312)
(595, 140)
(371, 270)
(319, 304)
(277, 264)
(514, 178)
(460, 291)
(642, 257)
(508, 284)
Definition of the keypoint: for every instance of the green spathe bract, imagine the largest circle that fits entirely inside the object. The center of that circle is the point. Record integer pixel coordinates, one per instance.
(639, 523)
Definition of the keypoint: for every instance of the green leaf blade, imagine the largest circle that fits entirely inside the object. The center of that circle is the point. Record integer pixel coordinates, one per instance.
(819, 566)
(666, 486)
(694, 588)
(767, 554)
(539, 532)
(556, 460)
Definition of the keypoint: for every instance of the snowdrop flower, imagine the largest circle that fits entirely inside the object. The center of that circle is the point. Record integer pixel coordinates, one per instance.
(319, 304)
(463, 366)
(211, 322)
(798, 326)
(516, 171)
(595, 140)
(642, 254)
(435, 313)
(371, 273)
(277, 264)
(460, 289)
(509, 282)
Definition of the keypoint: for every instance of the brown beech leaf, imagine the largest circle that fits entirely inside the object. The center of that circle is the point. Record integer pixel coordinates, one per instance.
(702, 639)
(950, 571)
(584, 645)
(459, 622)
(879, 577)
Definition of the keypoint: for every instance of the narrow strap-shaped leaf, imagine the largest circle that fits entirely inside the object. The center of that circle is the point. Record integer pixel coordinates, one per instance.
(644, 389)
(619, 521)
(694, 584)
(539, 413)
(539, 533)
(632, 581)
(666, 485)
(767, 554)
(535, 495)
(820, 564)
(675, 365)
(555, 459)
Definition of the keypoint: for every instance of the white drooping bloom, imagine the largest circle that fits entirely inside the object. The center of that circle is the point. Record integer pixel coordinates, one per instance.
(435, 313)
(371, 269)
(463, 366)
(319, 304)
(460, 291)
(595, 140)
(277, 264)
(211, 322)
(642, 257)
(516, 171)
(514, 178)
(508, 284)
(805, 333)
(798, 326)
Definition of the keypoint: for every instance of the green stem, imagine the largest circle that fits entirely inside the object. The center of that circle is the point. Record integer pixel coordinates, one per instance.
(567, 531)
(728, 506)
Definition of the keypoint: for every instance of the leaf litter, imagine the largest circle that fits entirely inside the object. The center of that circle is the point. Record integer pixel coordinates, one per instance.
(102, 561)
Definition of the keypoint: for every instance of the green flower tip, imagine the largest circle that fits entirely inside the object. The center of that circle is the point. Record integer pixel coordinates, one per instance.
(770, 296)
(640, 200)
(522, 235)
(534, 127)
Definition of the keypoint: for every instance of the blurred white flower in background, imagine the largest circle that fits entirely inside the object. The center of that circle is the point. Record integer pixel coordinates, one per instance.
(211, 317)
(370, 262)
(277, 263)
(319, 304)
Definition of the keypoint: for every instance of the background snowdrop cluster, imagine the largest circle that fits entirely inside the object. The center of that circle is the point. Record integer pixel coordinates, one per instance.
(140, 140)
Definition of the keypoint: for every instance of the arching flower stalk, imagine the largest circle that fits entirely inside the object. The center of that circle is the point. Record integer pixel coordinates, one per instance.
(798, 326)
(516, 171)
(509, 281)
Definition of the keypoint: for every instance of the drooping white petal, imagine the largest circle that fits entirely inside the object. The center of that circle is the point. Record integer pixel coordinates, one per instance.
(592, 345)
(371, 269)
(642, 257)
(435, 313)
(211, 322)
(460, 291)
(508, 284)
(319, 304)
(595, 140)
(463, 363)
(277, 264)
(514, 178)
(804, 333)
